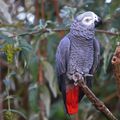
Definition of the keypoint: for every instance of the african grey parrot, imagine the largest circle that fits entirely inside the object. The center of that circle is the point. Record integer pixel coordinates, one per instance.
(77, 56)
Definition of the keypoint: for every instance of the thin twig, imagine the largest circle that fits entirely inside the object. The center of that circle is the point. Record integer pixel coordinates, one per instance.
(107, 32)
(110, 97)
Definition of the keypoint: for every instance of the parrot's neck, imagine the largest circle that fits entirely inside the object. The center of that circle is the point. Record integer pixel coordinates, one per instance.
(81, 31)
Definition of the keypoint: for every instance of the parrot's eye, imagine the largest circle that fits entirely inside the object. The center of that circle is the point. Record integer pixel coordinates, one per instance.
(87, 20)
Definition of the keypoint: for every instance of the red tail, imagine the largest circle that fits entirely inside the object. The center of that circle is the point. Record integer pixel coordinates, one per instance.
(72, 96)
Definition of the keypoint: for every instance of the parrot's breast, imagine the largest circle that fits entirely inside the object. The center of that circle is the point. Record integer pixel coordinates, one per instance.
(81, 56)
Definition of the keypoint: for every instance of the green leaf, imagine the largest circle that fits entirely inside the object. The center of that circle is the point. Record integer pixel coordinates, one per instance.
(45, 98)
(67, 13)
(52, 43)
(6, 39)
(24, 45)
(9, 84)
(33, 97)
(33, 66)
(49, 75)
(34, 116)
(26, 49)
(57, 111)
(88, 1)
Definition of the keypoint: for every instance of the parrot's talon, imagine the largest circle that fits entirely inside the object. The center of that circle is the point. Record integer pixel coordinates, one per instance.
(75, 83)
(77, 76)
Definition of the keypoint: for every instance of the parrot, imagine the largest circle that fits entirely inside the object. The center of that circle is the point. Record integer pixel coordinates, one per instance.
(77, 57)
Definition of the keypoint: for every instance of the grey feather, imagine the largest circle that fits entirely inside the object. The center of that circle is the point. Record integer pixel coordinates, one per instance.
(96, 45)
(62, 55)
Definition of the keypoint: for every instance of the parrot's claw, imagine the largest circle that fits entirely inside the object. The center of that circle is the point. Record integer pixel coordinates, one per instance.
(77, 76)
(75, 83)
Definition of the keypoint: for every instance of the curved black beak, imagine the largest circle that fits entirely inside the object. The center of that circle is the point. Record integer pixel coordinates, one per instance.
(98, 22)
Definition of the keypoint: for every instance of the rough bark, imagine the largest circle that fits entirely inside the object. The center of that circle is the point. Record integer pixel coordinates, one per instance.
(36, 12)
(43, 9)
(56, 7)
(116, 67)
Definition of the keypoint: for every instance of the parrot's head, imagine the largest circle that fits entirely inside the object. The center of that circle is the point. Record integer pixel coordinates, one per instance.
(89, 19)
(84, 24)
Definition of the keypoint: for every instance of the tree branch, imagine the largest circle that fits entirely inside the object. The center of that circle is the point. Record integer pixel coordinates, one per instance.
(116, 67)
(59, 30)
(31, 33)
(96, 102)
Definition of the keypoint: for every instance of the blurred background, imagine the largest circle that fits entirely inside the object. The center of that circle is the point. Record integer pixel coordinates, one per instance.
(30, 31)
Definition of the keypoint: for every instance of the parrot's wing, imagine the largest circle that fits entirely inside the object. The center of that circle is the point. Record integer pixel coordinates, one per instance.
(96, 45)
(62, 55)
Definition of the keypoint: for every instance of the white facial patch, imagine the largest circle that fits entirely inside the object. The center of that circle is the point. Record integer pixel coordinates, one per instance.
(87, 21)
(88, 18)
(95, 17)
